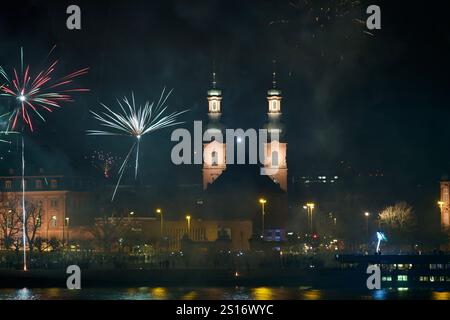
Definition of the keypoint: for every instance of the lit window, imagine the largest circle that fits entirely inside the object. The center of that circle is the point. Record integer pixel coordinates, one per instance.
(214, 159)
(54, 184)
(274, 106)
(8, 184)
(53, 221)
(402, 278)
(388, 278)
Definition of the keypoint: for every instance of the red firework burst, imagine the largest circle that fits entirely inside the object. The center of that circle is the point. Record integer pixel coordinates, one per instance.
(34, 94)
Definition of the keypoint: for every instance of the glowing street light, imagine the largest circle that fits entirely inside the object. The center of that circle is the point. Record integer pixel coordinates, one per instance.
(367, 214)
(262, 201)
(159, 211)
(310, 207)
(188, 219)
(440, 204)
(53, 219)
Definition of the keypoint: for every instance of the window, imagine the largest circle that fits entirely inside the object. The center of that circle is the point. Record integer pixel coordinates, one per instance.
(214, 106)
(54, 183)
(275, 159)
(388, 278)
(274, 106)
(423, 279)
(53, 203)
(214, 158)
(38, 184)
(8, 184)
(53, 221)
(402, 278)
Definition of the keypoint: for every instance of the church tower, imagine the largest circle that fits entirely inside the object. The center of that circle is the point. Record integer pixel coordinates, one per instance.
(444, 204)
(214, 152)
(275, 162)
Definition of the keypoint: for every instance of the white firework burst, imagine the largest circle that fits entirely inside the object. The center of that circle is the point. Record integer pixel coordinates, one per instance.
(135, 121)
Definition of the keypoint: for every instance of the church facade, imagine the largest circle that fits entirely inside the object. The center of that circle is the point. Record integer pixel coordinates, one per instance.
(233, 191)
(275, 149)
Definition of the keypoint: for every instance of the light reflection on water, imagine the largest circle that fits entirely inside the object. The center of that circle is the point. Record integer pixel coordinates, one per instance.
(236, 293)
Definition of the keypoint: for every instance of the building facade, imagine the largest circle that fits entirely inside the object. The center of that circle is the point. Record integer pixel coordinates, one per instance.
(444, 204)
(56, 203)
(275, 150)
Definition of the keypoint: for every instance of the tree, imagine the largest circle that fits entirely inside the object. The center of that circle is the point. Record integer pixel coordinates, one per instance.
(11, 219)
(399, 220)
(33, 221)
(10, 224)
(107, 232)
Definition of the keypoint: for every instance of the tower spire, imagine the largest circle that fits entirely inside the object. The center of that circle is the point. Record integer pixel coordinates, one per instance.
(214, 81)
(214, 94)
(274, 74)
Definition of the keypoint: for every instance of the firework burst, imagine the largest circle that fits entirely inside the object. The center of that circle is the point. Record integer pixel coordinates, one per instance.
(134, 121)
(104, 161)
(31, 96)
(34, 94)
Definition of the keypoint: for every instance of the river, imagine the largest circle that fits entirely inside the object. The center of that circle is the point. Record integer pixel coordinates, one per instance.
(218, 293)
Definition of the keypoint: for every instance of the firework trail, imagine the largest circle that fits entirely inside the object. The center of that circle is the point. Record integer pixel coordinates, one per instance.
(31, 95)
(34, 94)
(135, 122)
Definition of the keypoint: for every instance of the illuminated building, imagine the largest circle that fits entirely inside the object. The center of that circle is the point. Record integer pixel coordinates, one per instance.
(444, 204)
(64, 202)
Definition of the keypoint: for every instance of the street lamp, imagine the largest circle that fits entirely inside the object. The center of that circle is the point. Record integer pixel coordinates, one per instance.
(262, 201)
(66, 224)
(366, 214)
(48, 223)
(310, 207)
(159, 211)
(188, 219)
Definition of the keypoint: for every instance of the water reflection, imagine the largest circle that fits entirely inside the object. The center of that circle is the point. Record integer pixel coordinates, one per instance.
(159, 293)
(262, 293)
(312, 295)
(440, 295)
(379, 294)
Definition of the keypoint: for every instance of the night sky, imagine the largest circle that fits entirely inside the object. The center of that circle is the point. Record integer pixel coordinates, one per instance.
(377, 101)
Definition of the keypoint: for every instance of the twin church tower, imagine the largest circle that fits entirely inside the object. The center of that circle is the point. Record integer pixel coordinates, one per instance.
(214, 152)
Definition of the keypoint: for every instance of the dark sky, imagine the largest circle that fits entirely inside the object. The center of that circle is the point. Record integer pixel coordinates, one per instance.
(378, 101)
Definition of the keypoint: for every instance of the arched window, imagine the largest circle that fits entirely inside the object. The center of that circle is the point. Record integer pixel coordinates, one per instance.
(274, 106)
(215, 158)
(214, 106)
(275, 159)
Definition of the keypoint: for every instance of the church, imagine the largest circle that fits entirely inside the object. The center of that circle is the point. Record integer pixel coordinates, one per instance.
(234, 191)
